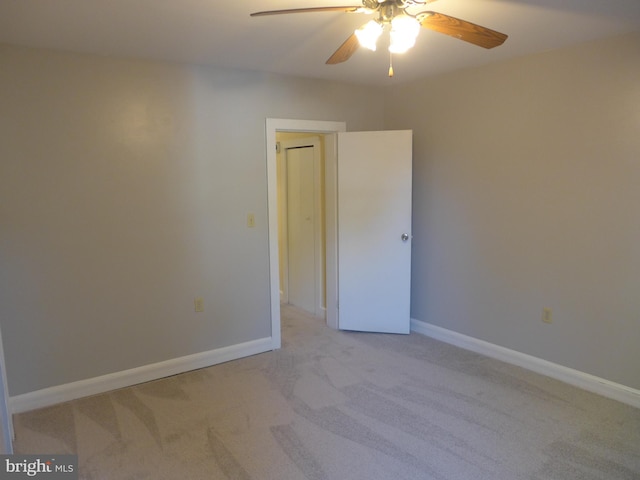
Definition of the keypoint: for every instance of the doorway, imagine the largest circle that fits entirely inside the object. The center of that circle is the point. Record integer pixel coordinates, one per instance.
(309, 127)
(301, 240)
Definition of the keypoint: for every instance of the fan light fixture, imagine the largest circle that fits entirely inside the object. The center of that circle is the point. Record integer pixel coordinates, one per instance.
(368, 34)
(404, 31)
(403, 34)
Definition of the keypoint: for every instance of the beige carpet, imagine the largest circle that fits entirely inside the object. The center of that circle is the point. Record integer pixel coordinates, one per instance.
(344, 406)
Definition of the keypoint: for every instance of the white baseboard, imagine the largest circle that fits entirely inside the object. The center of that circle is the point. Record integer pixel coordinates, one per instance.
(126, 378)
(594, 384)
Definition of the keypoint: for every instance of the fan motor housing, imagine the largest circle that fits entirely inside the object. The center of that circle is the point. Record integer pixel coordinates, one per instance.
(371, 4)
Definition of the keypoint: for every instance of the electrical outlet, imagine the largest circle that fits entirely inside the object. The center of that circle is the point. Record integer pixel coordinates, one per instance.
(546, 315)
(198, 302)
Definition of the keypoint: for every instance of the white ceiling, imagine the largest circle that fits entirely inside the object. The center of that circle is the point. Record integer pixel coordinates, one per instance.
(212, 32)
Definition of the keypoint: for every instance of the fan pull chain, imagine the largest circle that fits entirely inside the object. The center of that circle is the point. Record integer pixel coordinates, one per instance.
(390, 65)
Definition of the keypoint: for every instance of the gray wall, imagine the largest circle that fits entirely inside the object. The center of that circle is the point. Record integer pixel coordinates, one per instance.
(124, 189)
(527, 195)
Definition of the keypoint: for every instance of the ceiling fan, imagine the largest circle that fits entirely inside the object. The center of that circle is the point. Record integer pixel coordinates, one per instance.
(403, 24)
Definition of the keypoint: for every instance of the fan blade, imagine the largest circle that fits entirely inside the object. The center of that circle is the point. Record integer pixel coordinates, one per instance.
(344, 51)
(349, 9)
(467, 31)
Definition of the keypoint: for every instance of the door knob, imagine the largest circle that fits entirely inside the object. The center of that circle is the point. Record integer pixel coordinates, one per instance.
(405, 237)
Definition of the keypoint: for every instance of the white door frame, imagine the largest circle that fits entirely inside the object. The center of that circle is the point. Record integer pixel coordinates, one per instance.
(311, 126)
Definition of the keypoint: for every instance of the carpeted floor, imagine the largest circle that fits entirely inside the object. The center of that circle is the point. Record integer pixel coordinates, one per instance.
(344, 406)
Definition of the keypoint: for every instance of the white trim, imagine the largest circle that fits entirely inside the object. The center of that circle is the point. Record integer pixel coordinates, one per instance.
(331, 229)
(273, 125)
(127, 378)
(586, 381)
(6, 419)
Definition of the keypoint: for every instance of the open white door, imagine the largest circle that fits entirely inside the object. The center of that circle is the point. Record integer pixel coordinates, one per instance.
(374, 231)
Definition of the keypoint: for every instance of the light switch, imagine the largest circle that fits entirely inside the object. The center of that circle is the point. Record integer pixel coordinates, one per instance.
(199, 304)
(251, 220)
